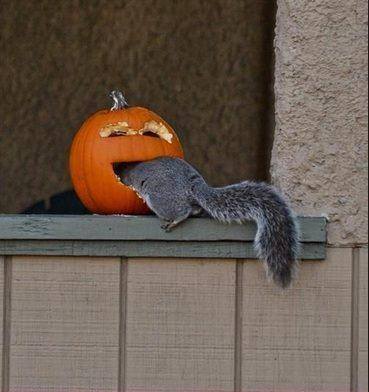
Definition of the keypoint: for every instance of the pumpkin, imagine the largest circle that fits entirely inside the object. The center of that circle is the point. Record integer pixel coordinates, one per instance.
(120, 135)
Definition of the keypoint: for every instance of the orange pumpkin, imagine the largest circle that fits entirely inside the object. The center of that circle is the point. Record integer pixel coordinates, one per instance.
(122, 134)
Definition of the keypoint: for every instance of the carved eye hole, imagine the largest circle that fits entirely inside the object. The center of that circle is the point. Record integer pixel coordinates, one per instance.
(119, 134)
(151, 134)
(150, 128)
(116, 135)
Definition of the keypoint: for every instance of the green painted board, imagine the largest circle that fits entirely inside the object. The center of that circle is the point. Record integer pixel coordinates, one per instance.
(137, 228)
(178, 249)
(141, 236)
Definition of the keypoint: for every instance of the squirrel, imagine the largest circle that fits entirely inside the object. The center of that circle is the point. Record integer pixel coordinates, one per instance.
(174, 190)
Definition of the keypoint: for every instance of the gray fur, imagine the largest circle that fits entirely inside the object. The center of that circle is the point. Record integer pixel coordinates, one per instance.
(174, 190)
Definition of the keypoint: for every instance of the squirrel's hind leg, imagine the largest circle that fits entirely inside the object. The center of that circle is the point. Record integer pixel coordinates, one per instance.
(169, 209)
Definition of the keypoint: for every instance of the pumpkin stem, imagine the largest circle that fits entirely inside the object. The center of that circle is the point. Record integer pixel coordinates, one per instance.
(119, 100)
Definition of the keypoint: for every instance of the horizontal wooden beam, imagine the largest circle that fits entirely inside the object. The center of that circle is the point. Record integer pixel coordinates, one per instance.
(141, 236)
(178, 249)
(137, 228)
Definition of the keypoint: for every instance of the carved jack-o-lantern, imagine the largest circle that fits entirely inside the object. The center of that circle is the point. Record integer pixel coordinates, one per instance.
(117, 136)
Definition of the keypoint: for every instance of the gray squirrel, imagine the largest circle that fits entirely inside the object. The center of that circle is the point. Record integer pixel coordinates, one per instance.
(174, 190)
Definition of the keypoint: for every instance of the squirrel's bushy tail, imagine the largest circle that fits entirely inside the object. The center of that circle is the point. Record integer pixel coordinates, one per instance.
(277, 238)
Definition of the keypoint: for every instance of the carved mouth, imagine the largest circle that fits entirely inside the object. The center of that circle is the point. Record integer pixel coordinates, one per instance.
(120, 167)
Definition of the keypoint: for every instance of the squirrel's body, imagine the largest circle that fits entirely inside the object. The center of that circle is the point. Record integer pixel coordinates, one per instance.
(174, 190)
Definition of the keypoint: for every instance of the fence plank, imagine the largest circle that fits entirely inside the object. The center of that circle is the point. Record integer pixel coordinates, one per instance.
(299, 339)
(180, 325)
(1, 316)
(363, 322)
(65, 324)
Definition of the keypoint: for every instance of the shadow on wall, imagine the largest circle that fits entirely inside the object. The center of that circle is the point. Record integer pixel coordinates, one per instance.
(62, 203)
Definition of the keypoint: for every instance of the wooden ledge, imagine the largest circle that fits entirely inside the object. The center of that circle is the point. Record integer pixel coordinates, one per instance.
(141, 236)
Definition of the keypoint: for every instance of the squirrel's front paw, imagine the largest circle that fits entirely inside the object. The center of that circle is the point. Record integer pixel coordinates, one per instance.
(167, 226)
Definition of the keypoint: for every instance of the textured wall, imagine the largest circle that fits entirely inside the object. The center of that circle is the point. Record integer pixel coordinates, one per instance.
(320, 150)
(203, 65)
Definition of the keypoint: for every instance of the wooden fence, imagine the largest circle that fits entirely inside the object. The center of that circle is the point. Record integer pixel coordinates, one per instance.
(86, 309)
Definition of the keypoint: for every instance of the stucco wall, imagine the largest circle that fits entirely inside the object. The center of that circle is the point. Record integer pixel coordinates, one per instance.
(205, 66)
(320, 149)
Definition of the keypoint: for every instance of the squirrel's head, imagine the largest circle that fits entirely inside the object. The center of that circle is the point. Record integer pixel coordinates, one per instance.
(125, 171)
(136, 174)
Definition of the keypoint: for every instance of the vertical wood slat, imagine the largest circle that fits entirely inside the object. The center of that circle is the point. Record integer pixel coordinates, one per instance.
(238, 327)
(6, 289)
(4, 320)
(180, 325)
(363, 321)
(122, 360)
(355, 287)
(299, 339)
(65, 324)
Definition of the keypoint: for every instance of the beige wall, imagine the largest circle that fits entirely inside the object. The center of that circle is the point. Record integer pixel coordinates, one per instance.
(320, 149)
(205, 66)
